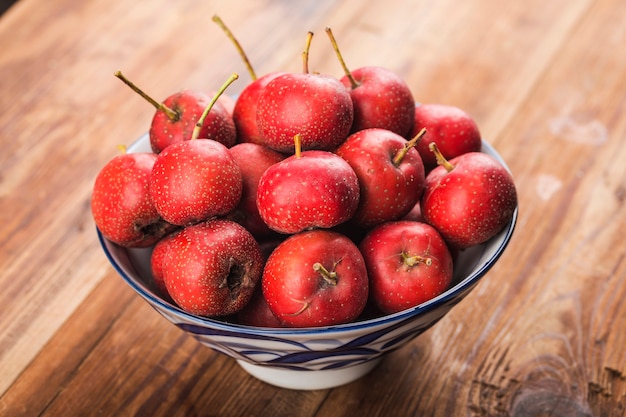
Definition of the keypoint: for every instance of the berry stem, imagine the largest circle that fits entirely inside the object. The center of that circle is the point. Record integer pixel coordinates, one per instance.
(205, 113)
(173, 115)
(305, 305)
(348, 73)
(297, 141)
(441, 160)
(410, 144)
(305, 53)
(234, 40)
(329, 276)
(415, 259)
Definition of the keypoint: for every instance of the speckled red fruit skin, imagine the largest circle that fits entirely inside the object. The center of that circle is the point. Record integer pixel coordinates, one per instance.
(318, 107)
(299, 296)
(452, 129)
(244, 113)
(382, 99)
(121, 205)
(157, 261)
(316, 190)
(394, 285)
(388, 192)
(195, 180)
(253, 160)
(218, 125)
(257, 313)
(212, 268)
(470, 204)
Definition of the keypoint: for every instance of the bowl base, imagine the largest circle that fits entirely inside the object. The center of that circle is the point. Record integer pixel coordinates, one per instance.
(308, 380)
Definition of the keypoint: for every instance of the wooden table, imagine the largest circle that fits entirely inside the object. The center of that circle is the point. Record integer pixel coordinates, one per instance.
(542, 334)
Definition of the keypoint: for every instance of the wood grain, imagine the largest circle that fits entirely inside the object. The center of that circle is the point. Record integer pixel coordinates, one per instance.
(542, 334)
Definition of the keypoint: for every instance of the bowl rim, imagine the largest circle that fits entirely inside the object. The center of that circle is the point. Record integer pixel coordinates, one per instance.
(431, 304)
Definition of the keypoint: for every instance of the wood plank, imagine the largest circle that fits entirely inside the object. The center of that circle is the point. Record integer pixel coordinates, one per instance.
(572, 274)
(51, 370)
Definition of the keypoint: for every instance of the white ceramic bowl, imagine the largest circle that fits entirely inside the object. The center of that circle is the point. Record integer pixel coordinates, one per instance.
(311, 358)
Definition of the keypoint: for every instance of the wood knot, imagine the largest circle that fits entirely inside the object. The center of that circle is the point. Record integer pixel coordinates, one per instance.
(546, 403)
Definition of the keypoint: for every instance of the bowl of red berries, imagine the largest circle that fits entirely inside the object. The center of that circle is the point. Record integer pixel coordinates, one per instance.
(311, 225)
